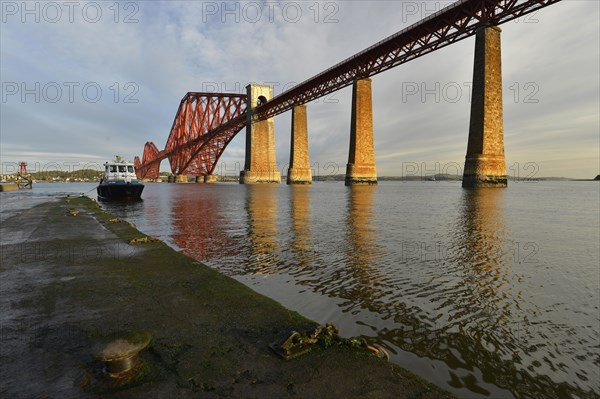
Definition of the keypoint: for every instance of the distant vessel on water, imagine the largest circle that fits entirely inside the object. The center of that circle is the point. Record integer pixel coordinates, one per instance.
(119, 181)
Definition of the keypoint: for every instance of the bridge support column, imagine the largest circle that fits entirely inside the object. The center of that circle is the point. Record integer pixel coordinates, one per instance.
(210, 179)
(181, 179)
(199, 180)
(299, 171)
(485, 165)
(261, 164)
(361, 168)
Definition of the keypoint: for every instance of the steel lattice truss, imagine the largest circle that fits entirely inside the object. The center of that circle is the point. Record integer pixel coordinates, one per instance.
(146, 168)
(196, 149)
(449, 25)
(192, 149)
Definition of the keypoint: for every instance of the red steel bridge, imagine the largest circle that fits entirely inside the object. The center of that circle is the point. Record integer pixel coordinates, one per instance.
(206, 123)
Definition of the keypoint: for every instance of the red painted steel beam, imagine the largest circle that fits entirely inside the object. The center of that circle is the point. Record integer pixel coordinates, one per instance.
(188, 150)
(146, 169)
(210, 149)
(198, 150)
(449, 25)
(215, 141)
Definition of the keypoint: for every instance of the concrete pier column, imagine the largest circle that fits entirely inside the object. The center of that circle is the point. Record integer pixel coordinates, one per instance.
(485, 165)
(199, 180)
(181, 179)
(210, 179)
(261, 164)
(361, 168)
(299, 171)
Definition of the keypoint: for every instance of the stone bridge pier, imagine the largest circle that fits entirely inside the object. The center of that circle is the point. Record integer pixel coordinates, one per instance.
(485, 165)
(260, 165)
(299, 171)
(361, 168)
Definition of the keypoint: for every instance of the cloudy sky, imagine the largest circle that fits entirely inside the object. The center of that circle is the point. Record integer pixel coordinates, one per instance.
(82, 81)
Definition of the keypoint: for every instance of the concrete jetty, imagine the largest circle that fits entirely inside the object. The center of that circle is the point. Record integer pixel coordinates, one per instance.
(73, 276)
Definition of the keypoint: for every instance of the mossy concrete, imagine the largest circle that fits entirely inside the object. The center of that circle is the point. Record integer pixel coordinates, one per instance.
(71, 282)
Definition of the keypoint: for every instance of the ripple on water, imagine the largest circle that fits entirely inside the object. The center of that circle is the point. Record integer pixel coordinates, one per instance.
(489, 293)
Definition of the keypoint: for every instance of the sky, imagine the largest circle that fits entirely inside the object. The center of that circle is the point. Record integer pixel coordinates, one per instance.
(83, 81)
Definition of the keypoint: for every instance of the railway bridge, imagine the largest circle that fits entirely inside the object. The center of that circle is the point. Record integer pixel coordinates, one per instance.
(205, 123)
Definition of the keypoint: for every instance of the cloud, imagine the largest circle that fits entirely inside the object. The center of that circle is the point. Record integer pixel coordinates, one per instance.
(550, 64)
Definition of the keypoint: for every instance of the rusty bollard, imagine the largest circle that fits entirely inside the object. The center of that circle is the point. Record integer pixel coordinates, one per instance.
(121, 353)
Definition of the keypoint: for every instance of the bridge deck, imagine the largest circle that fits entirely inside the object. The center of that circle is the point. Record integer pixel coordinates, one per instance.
(456, 22)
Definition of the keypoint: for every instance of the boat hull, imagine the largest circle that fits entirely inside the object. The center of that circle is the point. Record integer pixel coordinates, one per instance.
(120, 191)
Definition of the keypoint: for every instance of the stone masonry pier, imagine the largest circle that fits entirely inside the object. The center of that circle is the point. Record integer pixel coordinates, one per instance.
(261, 164)
(299, 171)
(485, 165)
(361, 158)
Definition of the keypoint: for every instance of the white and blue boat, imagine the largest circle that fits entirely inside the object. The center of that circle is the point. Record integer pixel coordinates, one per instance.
(119, 181)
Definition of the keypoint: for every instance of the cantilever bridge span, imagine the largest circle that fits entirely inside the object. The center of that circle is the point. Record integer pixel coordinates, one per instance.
(189, 149)
(206, 123)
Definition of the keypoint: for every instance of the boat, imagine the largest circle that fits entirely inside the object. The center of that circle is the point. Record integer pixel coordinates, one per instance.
(119, 181)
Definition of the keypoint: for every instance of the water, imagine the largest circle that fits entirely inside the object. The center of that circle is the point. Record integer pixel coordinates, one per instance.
(487, 293)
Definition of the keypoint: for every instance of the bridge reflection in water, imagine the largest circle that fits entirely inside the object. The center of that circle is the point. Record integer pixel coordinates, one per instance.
(441, 288)
(360, 273)
(198, 224)
(471, 328)
(301, 244)
(262, 230)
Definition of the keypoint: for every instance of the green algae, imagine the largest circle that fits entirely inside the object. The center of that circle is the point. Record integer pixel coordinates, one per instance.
(210, 332)
(143, 240)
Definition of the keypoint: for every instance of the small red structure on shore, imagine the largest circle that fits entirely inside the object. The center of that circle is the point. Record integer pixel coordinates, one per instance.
(23, 180)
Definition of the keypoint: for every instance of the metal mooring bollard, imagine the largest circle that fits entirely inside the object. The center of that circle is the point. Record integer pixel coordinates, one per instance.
(121, 354)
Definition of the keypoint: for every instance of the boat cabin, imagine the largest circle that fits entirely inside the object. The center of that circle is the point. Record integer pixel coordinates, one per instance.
(119, 170)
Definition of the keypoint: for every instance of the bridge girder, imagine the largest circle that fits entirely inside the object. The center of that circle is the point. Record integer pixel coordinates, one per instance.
(197, 139)
(199, 114)
(147, 169)
(456, 22)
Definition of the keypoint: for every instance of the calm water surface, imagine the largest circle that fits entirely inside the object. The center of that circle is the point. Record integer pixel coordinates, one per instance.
(487, 293)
